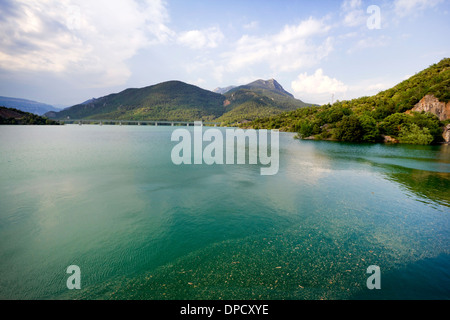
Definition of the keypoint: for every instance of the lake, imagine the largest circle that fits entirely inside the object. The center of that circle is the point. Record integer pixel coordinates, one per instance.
(110, 200)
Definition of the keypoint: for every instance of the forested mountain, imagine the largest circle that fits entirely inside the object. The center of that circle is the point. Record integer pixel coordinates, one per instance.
(172, 100)
(259, 99)
(15, 116)
(176, 100)
(391, 115)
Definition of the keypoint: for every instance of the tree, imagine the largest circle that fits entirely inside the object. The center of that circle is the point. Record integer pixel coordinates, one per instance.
(429, 121)
(391, 125)
(370, 129)
(349, 129)
(306, 129)
(413, 134)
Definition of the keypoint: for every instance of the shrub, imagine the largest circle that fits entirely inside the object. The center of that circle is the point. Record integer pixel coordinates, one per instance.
(413, 134)
(349, 129)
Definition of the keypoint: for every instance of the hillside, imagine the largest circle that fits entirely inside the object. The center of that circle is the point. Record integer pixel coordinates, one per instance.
(15, 116)
(259, 99)
(175, 100)
(26, 105)
(388, 116)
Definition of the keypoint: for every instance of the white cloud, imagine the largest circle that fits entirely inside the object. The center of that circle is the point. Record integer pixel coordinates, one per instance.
(369, 87)
(317, 83)
(200, 39)
(353, 13)
(370, 42)
(348, 5)
(251, 25)
(406, 7)
(80, 37)
(355, 18)
(290, 49)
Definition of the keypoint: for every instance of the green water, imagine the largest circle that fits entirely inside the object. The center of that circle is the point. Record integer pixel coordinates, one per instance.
(109, 199)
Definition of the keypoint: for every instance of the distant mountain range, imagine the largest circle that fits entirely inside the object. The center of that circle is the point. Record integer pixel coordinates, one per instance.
(179, 101)
(12, 116)
(27, 105)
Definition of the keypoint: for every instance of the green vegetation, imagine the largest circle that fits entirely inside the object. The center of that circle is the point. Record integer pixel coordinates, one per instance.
(178, 101)
(415, 135)
(173, 100)
(257, 100)
(369, 119)
(15, 116)
(266, 105)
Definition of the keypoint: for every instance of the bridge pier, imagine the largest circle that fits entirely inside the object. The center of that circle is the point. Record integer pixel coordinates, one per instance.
(135, 122)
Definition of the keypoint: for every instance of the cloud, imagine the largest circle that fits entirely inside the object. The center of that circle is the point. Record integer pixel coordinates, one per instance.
(80, 37)
(370, 42)
(294, 47)
(406, 7)
(349, 5)
(370, 86)
(201, 39)
(317, 83)
(251, 25)
(353, 13)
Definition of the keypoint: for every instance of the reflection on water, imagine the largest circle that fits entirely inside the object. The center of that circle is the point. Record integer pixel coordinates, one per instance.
(432, 187)
(109, 200)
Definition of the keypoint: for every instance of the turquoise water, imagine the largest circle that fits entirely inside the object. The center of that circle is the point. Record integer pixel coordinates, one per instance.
(110, 200)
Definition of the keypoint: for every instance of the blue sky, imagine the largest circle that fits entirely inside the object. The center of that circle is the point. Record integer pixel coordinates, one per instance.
(65, 52)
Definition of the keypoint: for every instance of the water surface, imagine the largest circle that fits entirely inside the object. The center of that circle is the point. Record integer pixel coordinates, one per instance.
(110, 200)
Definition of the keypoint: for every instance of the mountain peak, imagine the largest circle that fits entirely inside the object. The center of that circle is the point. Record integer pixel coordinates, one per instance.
(270, 84)
(223, 90)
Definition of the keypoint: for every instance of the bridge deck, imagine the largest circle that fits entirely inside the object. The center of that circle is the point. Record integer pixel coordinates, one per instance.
(134, 122)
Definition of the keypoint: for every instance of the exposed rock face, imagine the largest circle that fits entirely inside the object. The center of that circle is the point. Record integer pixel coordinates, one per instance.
(446, 134)
(431, 104)
(389, 139)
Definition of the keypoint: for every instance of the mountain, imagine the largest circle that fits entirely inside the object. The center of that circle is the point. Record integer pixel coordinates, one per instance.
(179, 101)
(266, 86)
(223, 90)
(15, 116)
(172, 100)
(261, 98)
(27, 105)
(392, 115)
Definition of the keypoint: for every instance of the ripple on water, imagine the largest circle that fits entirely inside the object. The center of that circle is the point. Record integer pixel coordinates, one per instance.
(300, 263)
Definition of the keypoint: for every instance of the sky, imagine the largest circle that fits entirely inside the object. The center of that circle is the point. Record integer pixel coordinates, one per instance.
(64, 52)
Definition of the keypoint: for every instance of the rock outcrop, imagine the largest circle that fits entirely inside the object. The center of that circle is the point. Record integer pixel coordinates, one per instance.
(431, 104)
(446, 134)
(389, 139)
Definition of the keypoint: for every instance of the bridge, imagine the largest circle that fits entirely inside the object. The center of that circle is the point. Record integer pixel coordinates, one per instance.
(134, 122)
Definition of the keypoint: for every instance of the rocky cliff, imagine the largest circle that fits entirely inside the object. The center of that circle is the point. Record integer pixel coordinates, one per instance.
(431, 104)
(446, 134)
